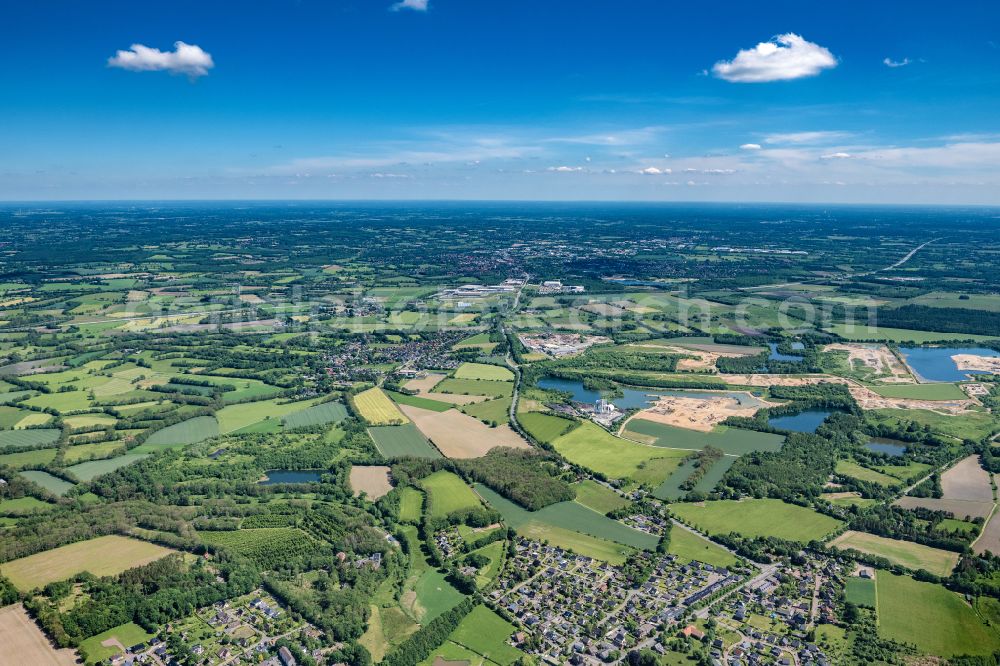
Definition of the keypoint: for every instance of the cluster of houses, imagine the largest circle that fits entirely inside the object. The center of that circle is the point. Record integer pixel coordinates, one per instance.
(574, 608)
(352, 360)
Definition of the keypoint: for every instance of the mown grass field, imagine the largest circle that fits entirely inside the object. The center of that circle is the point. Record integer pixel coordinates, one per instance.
(417, 401)
(570, 516)
(970, 425)
(88, 471)
(51, 483)
(544, 427)
(936, 620)
(856, 471)
(877, 333)
(734, 441)
(458, 386)
(411, 503)
(25, 438)
(593, 447)
(905, 553)
(921, 391)
(376, 408)
(860, 591)
(404, 440)
(597, 497)
(20, 506)
(491, 412)
(327, 412)
(688, 546)
(191, 431)
(103, 556)
(448, 493)
(483, 371)
(486, 633)
(127, 634)
(26, 458)
(757, 517)
(236, 417)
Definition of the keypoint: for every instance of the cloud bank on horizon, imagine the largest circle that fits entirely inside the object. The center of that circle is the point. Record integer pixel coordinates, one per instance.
(502, 100)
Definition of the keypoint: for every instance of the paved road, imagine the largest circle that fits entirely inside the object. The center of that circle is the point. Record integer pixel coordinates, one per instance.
(765, 571)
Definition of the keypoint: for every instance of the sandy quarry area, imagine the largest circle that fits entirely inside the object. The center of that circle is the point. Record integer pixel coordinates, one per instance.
(878, 358)
(561, 344)
(370, 479)
(696, 413)
(865, 397)
(698, 359)
(974, 362)
(24, 643)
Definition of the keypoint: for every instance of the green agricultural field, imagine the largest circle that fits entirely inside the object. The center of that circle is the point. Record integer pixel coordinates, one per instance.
(490, 388)
(904, 553)
(970, 425)
(595, 448)
(688, 546)
(486, 633)
(411, 504)
(97, 450)
(235, 417)
(376, 408)
(757, 517)
(103, 556)
(936, 620)
(733, 441)
(479, 341)
(447, 493)
(23, 506)
(483, 371)
(89, 471)
(26, 458)
(191, 431)
(860, 333)
(127, 634)
(490, 412)
(570, 516)
(860, 591)
(544, 427)
(26, 438)
(404, 440)
(417, 401)
(670, 490)
(598, 497)
(327, 412)
(426, 592)
(51, 483)
(856, 471)
(921, 391)
(583, 544)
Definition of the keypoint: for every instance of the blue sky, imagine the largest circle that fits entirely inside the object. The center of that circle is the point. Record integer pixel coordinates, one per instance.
(471, 99)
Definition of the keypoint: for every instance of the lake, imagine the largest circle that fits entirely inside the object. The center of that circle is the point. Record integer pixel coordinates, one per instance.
(935, 364)
(806, 421)
(778, 356)
(638, 398)
(291, 476)
(889, 447)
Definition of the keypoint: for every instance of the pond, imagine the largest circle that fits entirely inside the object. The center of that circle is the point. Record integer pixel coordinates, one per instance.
(638, 398)
(778, 356)
(291, 476)
(935, 364)
(889, 447)
(806, 421)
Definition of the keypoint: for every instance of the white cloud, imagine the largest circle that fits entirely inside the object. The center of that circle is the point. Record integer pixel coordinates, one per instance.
(835, 156)
(565, 169)
(805, 137)
(889, 62)
(750, 146)
(415, 5)
(186, 59)
(654, 171)
(784, 58)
